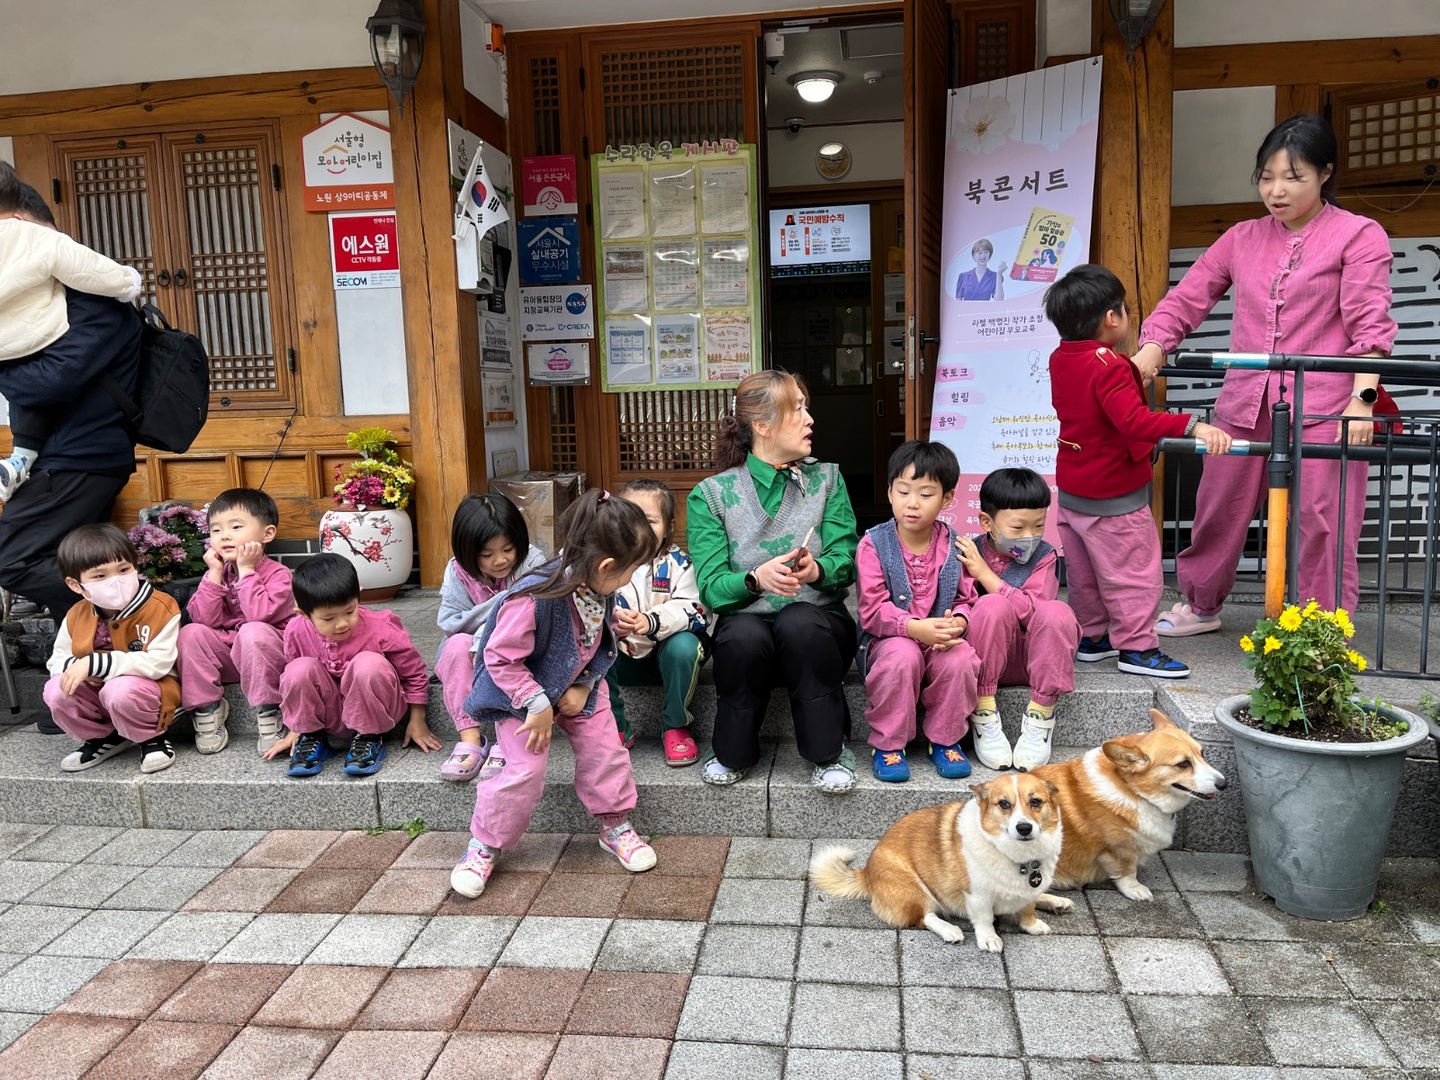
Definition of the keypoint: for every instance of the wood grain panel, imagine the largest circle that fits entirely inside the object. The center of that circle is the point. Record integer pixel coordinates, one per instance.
(195, 478)
(1281, 63)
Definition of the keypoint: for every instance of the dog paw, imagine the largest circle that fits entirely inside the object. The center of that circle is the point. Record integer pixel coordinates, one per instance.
(1061, 905)
(1036, 926)
(946, 930)
(989, 940)
(1132, 889)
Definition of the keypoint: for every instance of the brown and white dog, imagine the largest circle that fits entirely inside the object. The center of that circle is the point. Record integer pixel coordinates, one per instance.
(992, 855)
(1119, 802)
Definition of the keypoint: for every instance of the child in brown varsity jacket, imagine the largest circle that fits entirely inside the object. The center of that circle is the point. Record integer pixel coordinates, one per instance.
(111, 682)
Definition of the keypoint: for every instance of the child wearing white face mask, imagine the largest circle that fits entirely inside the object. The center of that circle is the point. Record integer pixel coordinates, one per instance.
(111, 682)
(1022, 633)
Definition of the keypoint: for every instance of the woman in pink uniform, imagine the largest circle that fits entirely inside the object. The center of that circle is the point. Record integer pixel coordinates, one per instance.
(1309, 279)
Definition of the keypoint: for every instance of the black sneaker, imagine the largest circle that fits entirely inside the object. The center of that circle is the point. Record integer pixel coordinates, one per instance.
(93, 752)
(156, 754)
(1152, 662)
(367, 753)
(1093, 649)
(309, 755)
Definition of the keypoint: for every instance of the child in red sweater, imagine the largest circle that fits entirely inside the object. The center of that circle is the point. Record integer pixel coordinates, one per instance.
(1107, 436)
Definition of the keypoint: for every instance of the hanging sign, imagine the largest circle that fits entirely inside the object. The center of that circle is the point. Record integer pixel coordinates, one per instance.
(547, 185)
(561, 362)
(348, 165)
(557, 314)
(364, 251)
(549, 251)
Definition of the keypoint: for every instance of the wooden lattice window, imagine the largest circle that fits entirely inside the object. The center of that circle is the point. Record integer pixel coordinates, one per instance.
(684, 94)
(1388, 133)
(993, 39)
(545, 103)
(564, 430)
(670, 430)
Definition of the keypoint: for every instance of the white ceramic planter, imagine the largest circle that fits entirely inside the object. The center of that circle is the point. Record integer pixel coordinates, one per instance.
(380, 542)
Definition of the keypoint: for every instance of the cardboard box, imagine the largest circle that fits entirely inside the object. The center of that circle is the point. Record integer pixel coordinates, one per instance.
(542, 497)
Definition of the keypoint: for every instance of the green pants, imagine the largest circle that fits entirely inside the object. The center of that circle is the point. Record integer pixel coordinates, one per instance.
(674, 664)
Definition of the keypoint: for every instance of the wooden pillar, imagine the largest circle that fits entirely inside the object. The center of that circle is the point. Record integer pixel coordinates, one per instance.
(441, 328)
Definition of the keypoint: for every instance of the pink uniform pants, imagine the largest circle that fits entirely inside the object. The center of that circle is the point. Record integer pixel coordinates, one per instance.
(901, 673)
(206, 663)
(365, 700)
(456, 671)
(127, 704)
(1040, 655)
(1112, 565)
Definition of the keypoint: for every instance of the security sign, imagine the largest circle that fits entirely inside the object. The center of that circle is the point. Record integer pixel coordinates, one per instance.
(364, 251)
(549, 251)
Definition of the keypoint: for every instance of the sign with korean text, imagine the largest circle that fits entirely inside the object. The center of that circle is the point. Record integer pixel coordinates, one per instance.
(348, 165)
(561, 313)
(549, 251)
(815, 239)
(364, 251)
(559, 362)
(547, 185)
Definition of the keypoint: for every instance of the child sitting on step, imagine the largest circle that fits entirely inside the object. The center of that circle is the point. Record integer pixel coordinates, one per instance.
(111, 683)
(545, 651)
(663, 628)
(491, 546)
(350, 673)
(237, 621)
(1021, 632)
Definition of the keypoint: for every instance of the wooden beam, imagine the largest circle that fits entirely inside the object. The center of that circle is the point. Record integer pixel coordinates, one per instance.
(1201, 226)
(1281, 63)
(1295, 99)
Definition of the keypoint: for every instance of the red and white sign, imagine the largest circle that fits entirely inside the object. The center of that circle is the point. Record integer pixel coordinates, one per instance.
(547, 184)
(348, 165)
(364, 251)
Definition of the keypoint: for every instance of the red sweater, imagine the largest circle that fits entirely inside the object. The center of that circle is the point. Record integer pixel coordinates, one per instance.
(1107, 430)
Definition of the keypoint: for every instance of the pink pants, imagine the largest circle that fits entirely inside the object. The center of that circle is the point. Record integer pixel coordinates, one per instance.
(206, 663)
(456, 671)
(900, 673)
(1232, 490)
(603, 781)
(1112, 565)
(366, 700)
(1040, 655)
(127, 704)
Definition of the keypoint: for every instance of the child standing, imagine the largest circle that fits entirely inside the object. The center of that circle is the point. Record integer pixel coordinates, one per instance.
(237, 621)
(664, 630)
(111, 684)
(546, 650)
(349, 673)
(912, 624)
(491, 545)
(1022, 633)
(1107, 436)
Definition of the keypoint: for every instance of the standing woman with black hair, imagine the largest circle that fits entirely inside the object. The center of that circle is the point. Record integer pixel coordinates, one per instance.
(773, 539)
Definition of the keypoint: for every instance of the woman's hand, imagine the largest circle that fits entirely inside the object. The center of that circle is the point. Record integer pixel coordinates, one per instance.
(805, 568)
(1149, 359)
(777, 576)
(538, 725)
(1362, 429)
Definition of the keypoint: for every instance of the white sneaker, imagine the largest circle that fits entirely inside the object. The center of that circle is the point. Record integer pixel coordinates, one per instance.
(13, 473)
(211, 735)
(1032, 749)
(626, 845)
(991, 746)
(473, 871)
(156, 754)
(268, 721)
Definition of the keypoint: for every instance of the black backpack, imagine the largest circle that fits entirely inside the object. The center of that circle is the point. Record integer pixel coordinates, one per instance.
(172, 387)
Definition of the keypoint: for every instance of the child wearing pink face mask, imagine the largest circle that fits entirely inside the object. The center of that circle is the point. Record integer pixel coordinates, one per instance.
(111, 682)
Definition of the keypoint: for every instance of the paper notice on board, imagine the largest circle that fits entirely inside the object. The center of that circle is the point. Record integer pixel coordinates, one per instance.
(627, 351)
(894, 297)
(627, 288)
(677, 349)
(725, 198)
(727, 346)
(672, 201)
(494, 339)
(622, 203)
(725, 272)
(675, 277)
(499, 399)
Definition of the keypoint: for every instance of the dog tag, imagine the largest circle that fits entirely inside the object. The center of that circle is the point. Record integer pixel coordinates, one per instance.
(1035, 879)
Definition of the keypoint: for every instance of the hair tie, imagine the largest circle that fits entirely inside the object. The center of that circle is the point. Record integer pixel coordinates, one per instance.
(733, 407)
(604, 495)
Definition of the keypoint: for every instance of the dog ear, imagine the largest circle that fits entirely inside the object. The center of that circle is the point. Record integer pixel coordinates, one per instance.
(981, 792)
(1053, 792)
(1125, 756)
(1160, 721)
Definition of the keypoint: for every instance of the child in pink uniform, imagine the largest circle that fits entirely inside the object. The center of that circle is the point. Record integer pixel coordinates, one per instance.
(350, 673)
(547, 648)
(237, 619)
(492, 550)
(1022, 633)
(912, 624)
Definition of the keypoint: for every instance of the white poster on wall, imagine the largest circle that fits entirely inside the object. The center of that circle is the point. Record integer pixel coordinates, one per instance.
(557, 313)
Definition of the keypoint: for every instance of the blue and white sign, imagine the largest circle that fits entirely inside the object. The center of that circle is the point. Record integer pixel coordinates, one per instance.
(557, 313)
(549, 251)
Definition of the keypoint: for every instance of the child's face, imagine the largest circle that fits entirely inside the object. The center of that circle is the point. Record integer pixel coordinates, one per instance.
(649, 501)
(335, 621)
(1015, 524)
(232, 529)
(917, 501)
(103, 572)
(610, 576)
(1115, 327)
(498, 557)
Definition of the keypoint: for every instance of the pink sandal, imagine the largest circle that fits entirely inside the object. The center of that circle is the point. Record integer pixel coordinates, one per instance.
(680, 748)
(1181, 621)
(464, 762)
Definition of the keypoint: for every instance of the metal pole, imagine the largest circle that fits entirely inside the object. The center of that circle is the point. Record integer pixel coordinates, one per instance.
(1292, 527)
(1277, 514)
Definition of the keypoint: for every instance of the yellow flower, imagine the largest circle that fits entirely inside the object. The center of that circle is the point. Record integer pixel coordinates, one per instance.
(1310, 609)
(1290, 620)
(1271, 644)
(1342, 620)
(1247, 644)
(1357, 660)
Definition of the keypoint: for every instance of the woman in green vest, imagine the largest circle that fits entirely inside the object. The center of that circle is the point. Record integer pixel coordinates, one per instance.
(781, 600)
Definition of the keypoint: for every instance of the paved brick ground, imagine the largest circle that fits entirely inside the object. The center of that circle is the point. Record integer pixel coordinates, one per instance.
(150, 953)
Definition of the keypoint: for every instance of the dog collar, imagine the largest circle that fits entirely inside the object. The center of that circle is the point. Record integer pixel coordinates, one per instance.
(1031, 872)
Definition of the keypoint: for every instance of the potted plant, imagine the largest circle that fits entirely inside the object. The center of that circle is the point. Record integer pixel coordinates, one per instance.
(369, 525)
(1320, 769)
(171, 540)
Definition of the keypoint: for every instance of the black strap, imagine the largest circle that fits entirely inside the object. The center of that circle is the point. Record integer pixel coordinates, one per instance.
(130, 413)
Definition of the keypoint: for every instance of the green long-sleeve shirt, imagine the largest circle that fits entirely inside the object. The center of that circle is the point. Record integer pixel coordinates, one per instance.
(722, 585)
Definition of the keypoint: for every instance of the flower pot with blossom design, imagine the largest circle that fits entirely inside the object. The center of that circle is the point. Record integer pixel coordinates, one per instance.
(370, 526)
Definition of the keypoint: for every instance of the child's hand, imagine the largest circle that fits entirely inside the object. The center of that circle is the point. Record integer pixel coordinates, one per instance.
(73, 676)
(934, 633)
(572, 702)
(957, 624)
(539, 726)
(248, 556)
(418, 733)
(215, 563)
(969, 552)
(1215, 440)
(283, 745)
(629, 622)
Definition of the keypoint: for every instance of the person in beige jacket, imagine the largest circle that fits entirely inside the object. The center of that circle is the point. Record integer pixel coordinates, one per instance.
(37, 263)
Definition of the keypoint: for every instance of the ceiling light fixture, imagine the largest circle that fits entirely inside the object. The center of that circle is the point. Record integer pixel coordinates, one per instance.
(815, 86)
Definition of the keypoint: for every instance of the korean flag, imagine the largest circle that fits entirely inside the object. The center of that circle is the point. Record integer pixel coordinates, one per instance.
(479, 205)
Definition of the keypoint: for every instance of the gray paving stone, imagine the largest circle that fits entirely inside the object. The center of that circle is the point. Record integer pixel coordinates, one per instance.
(1387, 971)
(845, 1017)
(471, 941)
(192, 935)
(28, 928)
(85, 885)
(277, 939)
(68, 843)
(1279, 969)
(926, 960)
(1159, 966)
(15, 835)
(728, 1010)
(541, 941)
(707, 1060)
(843, 955)
(1333, 1033)
(763, 857)
(1079, 920)
(368, 940)
(140, 847)
(944, 1067)
(164, 888)
(15, 1024)
(1165, 916)
(1208, 871)
(1153, 875)
(1352, 1074)
(952, 1020)
(214, 847)
(9, 960)
(1184, 1029)
(1069, 1025)
(843, 1065)
(105, 934)
(1240, 916)
(1214, 1072)
(762, 952)
(1057, 963)
(18, 879)
(662, 945)
(1424, 923)
(759, 902)
(1411, 1028)
(1086, 1070)
(41, 983)
(825, 910)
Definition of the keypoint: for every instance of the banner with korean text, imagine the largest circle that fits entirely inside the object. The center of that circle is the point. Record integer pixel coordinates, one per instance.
(1019, 187)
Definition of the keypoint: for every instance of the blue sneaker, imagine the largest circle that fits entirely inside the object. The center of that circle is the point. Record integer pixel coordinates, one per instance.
(367, 753)
(308, 757)
(1093, 649)
(1151, 662)
(950, 761)
(890, 766)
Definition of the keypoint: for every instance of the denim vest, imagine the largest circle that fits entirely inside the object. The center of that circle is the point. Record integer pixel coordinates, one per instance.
(551, 663)
(1015, 574)
(886, 538)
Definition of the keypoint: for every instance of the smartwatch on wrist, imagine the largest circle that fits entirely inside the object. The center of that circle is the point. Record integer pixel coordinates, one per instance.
(752, 583)
(1368, 396)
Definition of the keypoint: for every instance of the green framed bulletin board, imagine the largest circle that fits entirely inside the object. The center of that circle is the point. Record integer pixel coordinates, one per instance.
(677, 265)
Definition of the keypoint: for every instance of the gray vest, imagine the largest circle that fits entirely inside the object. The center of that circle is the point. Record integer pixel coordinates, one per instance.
(886, 538)
(756, 537)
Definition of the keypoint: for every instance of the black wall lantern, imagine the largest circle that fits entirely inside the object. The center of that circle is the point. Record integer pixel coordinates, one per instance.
(397, 45)
(1134, 19)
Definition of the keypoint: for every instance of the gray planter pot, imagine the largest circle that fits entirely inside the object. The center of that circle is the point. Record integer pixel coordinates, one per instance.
(1318, 814)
